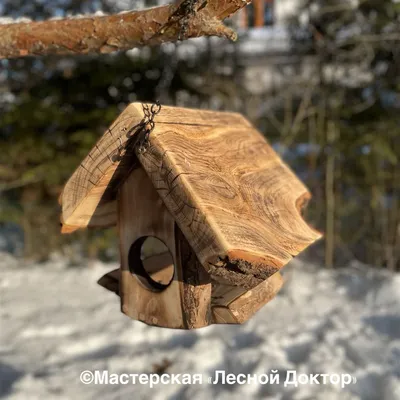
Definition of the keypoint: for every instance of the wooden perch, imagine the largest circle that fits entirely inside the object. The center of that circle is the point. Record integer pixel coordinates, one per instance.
(105, 34)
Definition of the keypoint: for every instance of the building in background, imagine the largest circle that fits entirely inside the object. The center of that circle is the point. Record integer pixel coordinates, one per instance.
(261, 13)
(257, 14)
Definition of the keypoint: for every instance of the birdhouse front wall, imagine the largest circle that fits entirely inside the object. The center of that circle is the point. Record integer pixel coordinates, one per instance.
(186, 301)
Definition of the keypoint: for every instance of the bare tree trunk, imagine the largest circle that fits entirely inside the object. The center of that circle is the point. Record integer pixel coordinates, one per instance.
(330, 196)
(105, 34)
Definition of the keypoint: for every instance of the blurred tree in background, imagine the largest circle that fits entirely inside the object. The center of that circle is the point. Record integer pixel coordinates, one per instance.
(353, 121)
(335, 119)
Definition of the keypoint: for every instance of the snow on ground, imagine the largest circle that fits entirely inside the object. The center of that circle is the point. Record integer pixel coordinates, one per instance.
(56, 322)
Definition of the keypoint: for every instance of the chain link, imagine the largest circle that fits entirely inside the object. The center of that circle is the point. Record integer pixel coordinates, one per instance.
(139, 135)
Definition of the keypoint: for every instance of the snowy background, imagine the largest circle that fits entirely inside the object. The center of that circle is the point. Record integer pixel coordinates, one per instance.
(56, 322)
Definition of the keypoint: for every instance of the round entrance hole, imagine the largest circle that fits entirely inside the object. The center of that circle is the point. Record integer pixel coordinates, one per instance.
(151, 262)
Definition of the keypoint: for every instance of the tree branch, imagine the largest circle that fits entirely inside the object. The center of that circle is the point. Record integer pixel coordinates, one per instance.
(105, 34)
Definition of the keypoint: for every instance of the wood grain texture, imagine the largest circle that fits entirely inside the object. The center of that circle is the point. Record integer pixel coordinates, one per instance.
(234, 199)
(237, 204)
(88, 197)
(185, 303)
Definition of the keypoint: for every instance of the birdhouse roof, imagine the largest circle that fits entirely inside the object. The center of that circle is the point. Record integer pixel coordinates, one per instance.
(234, 199)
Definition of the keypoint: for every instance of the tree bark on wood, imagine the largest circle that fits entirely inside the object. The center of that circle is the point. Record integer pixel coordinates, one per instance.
(105, 34)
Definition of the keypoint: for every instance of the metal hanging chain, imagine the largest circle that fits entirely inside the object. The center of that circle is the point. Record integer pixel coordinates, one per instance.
(148, 125)
(139, 135)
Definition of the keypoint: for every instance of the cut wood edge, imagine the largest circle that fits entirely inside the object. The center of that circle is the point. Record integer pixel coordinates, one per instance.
(244, 306)
(65, 229)
(301, 204)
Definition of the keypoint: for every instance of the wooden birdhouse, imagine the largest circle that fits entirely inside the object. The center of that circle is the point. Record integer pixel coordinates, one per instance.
(208, 186)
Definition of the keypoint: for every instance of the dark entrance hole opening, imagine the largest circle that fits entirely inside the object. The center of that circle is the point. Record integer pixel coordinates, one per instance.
(152, 263)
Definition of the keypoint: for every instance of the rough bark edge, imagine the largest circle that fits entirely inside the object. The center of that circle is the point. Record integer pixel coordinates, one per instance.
(105, 34)
(241, 269)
